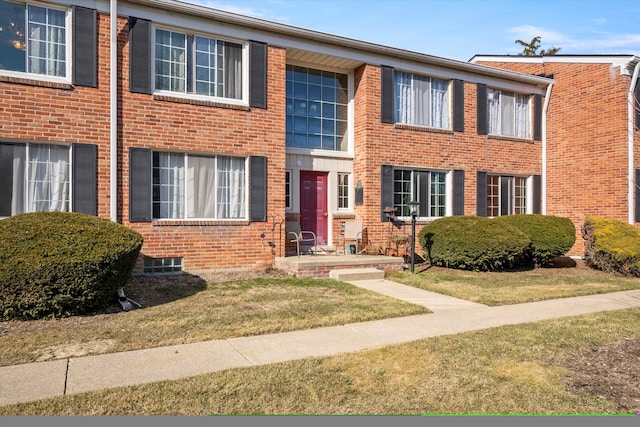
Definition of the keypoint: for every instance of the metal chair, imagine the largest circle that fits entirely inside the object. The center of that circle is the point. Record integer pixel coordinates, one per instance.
(352, 232)
(301, 238)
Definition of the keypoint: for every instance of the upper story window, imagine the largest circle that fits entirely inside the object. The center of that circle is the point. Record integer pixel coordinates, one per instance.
(509, 113)
(198, 65)
(317, 112)
(426, 187)
(34, 39)
(421, 100)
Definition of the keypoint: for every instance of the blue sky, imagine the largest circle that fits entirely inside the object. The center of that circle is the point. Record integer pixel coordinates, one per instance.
(459, 29)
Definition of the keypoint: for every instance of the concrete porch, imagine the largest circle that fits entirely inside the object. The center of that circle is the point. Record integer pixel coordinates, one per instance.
(320, 266)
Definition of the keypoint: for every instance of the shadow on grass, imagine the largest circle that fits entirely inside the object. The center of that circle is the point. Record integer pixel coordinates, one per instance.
(150, 291)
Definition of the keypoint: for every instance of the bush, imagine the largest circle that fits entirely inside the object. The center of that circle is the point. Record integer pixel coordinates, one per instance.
(56, 264)
(612, 245)
(551, 236)
(473, 243)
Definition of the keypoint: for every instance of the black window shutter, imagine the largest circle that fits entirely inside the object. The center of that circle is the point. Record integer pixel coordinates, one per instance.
(637, 195)
(537, 117)
(537, 194)
(7, 154)
(85, 180)
(140, 185)
(258, 188)
(481, 194)
(139, 55)
(482, 109)
(458, 105)
(387, 95)
(257, 75)
(85, 47)
(458, 192)
(638, 105)
(386, 190)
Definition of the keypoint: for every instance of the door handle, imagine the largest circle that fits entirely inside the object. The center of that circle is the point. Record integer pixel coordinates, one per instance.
(325, 214)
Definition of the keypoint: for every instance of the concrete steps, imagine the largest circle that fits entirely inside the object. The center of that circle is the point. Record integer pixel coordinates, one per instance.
(353, 274)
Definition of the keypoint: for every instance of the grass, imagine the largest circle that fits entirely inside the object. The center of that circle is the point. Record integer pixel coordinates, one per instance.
(516, 369)
(185, 310)
(502, 288)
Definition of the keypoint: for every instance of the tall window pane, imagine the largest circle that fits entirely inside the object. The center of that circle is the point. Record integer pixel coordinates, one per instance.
(168, 185)
(48, 178)
(343, 190)
(171, 55)
(231, 187)
(421, 100)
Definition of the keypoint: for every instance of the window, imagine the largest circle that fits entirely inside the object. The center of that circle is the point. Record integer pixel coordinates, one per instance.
(287, 189)
(193, 186)
(343, 191)
(421, 100)
(506, 195)
(33, 39)
(198, 65)
(426, 187)
(508, 113)
(162, 265)
(316, 109)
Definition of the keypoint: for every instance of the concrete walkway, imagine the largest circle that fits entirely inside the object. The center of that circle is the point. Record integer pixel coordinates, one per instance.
(33, 381)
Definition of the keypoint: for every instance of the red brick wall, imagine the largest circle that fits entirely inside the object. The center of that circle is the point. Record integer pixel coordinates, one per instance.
(587, 141)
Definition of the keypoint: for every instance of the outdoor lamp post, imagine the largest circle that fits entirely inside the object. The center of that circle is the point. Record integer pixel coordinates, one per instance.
(413, 211)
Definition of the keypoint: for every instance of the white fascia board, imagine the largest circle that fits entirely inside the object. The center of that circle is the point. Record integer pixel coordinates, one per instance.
(625, 62)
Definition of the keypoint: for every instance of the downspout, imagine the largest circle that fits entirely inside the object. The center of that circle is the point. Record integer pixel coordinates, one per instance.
(113, 124)
(631, 130)
(545, 108)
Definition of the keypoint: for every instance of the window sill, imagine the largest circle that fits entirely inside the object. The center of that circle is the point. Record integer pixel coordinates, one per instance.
(511, 138)
(343, 215)
(200, 102)
(198, 223)
(36, 82)
(422, 128)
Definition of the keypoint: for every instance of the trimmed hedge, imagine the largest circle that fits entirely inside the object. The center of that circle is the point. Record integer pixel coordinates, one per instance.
(57, 264)
(474, 243)
(551, 236)
(612, 245)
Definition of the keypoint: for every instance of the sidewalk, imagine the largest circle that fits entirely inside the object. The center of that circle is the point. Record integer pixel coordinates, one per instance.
(33, 381)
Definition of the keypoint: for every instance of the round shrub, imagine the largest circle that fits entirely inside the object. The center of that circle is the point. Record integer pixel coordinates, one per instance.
(473, 243)
(551, 236)
(56, 264)
(612, 245)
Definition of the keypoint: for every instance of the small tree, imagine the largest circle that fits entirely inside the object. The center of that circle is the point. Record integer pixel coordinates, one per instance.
(532, 48)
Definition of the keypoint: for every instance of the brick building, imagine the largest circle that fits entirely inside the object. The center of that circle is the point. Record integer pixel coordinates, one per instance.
(205, 130)
(593, 134)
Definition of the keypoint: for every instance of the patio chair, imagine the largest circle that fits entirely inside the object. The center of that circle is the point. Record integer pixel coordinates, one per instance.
(303, 239)
(352, 233)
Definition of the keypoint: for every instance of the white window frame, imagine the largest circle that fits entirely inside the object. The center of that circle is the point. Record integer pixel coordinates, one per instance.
(410, 117)
(511, 208)
(215, 188)
(500, 125)
(243, 101)
(288, 196)
(68, 44)
(448, 192)
(347, 188)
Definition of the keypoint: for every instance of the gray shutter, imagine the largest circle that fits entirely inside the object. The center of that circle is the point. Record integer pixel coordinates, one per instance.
(7, 154)
(637, 195)
(458, 192)
(387, 98)
(85, 179)
(481, 108)
(537, 194)
(258, 188)
(140, 185)
(386, 190)
(458, 105)
(481, 194)
(139, 55)
(85, 47)
(537, 117)
(257, 74)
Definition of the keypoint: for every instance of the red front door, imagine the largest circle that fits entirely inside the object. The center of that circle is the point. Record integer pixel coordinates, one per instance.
(313, 204)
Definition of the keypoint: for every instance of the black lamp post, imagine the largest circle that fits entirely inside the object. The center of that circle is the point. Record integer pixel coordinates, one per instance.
(413, 211)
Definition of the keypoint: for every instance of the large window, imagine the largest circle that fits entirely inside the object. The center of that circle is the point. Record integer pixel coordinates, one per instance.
(33, 39)
(39, 180)
(506, 195)
(426, 187)
(508, 113)
(197, 65)
(421, 100)
(316, 109)
(192, 186)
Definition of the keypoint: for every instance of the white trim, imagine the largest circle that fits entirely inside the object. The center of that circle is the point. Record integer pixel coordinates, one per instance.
(543, 178)
(622, 61)
(113, 111)
(631, 109)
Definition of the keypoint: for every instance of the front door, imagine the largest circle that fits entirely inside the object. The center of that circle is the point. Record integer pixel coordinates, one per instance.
(313, 204)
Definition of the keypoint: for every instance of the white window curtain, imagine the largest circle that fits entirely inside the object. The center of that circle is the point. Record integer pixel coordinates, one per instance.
(231, 187)
(440, 104)
(201, 175)
(507, 105)
(522, 116)
(232, 71)
(493, 100)
(48, 178)
(18, 194)
(404, 103)
(47, 41)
